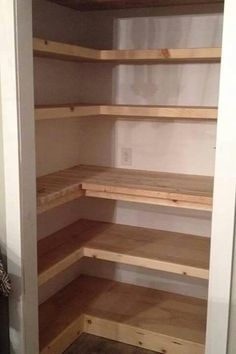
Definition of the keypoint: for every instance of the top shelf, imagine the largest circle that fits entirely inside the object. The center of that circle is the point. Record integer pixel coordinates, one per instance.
(94, 5)
(57, 50)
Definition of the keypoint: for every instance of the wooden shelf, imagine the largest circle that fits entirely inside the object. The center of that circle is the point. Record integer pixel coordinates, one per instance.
(158, 188)
(66, 51)
(152, 319)
(148, 248)
(125, 111)
(94, 5)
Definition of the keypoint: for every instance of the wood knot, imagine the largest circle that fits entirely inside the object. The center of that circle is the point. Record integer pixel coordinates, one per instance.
(165, 52)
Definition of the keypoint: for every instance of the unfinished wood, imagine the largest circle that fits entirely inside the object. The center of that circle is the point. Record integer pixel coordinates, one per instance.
(66, 111)
(148, 248)
(125, 197)
(58, 50)
(63, 199)
(147, 318)
(160, 188)
(88, 344)
(125, 111)
(162, 55)
(93, 5)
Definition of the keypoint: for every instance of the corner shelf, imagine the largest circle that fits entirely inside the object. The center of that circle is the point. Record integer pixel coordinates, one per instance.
(151, 319)
(58, 50)
(158, 188)
(125, 111)
(153, 249)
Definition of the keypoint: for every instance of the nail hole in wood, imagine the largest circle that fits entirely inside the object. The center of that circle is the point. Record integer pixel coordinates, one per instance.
(89, 321)
(140, 343)
(72, 108)
(177, 343)
(46, 42)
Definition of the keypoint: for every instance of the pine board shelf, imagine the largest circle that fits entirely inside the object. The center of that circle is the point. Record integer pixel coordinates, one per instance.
(94, 5)
(58, 50)
(125, 111)
(152, 319)
(157, 188)
(153, 249)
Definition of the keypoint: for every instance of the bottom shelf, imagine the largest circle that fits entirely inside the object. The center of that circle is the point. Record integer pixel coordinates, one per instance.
(152, 319)
(90, 344)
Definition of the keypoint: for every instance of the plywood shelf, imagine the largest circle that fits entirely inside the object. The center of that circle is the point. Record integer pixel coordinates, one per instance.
(125, 111)
(94, 5)
(160, 250)
(152, 319)
(66, 51)
(158, 188)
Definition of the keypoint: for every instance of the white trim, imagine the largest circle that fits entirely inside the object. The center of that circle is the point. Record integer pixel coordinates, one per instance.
(19, 171)
(224, 194)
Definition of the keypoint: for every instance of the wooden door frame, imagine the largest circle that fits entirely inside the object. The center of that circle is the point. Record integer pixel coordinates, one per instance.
(18, 170)
(19, 204)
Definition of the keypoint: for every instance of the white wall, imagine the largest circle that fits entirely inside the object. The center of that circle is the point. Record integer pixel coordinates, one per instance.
(163, 146)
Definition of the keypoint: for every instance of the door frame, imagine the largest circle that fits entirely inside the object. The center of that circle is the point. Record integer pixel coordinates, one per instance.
(223, 218)
(18, 203)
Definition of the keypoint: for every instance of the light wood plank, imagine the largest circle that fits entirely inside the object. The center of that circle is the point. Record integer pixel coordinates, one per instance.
(178, 190)
(160, 55)
(66, 111)
(58, 50)
(148, 200)
(148, 248)
(125, 111)
(144, 317)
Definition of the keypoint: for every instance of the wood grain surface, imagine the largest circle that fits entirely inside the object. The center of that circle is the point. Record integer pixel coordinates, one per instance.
(148, 318)
(148, 248)
(159, 188)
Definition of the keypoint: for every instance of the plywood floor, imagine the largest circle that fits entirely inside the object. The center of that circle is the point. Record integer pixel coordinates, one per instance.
(88, 344)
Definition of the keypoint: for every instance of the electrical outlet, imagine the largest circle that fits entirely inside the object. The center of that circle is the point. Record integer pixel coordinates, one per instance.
(126, 156)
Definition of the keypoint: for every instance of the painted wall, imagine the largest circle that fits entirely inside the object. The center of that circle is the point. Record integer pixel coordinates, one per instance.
(160, 146)
(4, 333)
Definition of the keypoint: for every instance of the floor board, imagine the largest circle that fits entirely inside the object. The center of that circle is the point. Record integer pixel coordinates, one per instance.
(89, 344)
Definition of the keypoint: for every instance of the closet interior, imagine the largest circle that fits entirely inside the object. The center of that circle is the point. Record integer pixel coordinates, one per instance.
(126, 109)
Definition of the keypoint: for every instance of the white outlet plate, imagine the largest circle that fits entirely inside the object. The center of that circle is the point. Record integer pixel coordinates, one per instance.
(126, 156)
